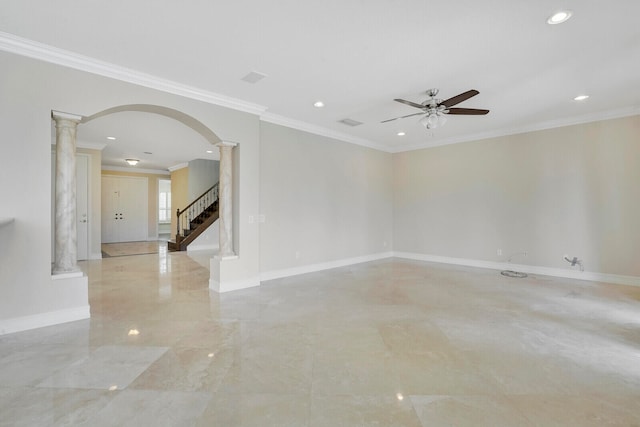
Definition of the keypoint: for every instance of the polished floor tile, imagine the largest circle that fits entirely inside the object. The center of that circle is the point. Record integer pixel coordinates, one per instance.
(385, 343)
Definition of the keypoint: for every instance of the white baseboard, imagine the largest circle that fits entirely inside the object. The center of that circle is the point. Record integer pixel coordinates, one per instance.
(529, 269)
(233, 286)
(96, 255)
(294, 271)
(24, 323)
(192, 247)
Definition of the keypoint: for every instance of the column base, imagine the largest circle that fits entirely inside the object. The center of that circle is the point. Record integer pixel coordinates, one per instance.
(223, 269)
(58, 275)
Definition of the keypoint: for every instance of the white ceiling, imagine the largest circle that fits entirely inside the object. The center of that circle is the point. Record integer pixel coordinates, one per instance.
(357, 55)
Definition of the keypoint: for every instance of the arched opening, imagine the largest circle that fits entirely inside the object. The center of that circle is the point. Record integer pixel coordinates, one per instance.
(160, 138)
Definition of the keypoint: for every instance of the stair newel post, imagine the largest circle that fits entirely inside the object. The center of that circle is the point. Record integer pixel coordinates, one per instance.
(177, 225)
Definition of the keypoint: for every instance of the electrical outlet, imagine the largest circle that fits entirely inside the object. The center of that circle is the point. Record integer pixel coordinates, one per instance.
(499, 252)
(384, 244)
(250, 219)
(297, 254)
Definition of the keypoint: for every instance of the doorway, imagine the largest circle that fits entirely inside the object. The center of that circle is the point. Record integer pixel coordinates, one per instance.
(124, 209)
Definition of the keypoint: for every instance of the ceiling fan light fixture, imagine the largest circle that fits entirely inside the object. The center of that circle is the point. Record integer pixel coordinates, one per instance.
(132, 162)
(559, 17)
(433, 120)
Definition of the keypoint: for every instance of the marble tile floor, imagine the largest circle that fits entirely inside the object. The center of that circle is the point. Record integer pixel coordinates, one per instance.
(386, 343)
(133, 248)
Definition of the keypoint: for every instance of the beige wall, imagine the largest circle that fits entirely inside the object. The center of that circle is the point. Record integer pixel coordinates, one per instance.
(179, 194)
(323, 199)
(152, 201)
(571, 190)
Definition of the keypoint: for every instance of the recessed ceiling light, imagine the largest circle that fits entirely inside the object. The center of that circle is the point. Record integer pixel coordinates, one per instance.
(132, 162)
(559, 17)
(318, 104)
(401, 133)
(111, 138)
(581, 97)
(148, 152)
(209, 151)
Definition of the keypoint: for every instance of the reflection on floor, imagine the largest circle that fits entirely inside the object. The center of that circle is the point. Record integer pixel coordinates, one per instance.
(133, 248)
(387, 343)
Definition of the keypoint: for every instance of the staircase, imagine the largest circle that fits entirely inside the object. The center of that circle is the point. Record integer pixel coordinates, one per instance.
(195, 218)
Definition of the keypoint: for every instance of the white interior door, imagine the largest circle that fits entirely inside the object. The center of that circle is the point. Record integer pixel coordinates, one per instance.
(82, 206)
(133, 205)
(124, 209)
(109, 209)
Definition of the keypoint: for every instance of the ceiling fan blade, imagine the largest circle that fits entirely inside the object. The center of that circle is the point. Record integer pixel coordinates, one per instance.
(409, 115)
(413, 104)
(467, 111)
(459, 98)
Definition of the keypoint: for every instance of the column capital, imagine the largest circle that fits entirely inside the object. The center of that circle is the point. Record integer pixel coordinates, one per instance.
(226, 144)
(59, 115)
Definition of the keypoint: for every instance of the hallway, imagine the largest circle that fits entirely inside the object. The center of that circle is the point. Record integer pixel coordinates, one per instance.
(386, 343)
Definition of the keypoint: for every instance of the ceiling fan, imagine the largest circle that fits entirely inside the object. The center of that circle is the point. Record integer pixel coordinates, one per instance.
(435, 109)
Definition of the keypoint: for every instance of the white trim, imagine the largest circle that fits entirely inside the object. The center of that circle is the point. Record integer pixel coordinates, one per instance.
(178, 166)
(322, 131)
(86, 145)
(233, 286)
(310, 268)
(71, 275)
(210, 247)
(24, 323)
(62, 115)
(91, 145)
(95, 255)
(31, 49)
(529, 269)
(135, 170)
(226, 144)
(551, 124)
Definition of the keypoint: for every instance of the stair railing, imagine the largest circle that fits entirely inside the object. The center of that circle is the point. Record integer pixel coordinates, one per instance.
(191, 212)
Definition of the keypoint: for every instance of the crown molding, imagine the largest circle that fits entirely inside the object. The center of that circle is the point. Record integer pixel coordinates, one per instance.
(178, 167)
(29, 48)
(550, 124)
(322, 131)
(135, 170)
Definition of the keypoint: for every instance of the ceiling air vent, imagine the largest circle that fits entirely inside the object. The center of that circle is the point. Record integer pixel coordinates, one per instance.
(350, 122)
(253, 77)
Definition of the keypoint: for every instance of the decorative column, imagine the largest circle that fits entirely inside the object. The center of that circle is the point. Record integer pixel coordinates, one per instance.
(225, 196)
(65, 259)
